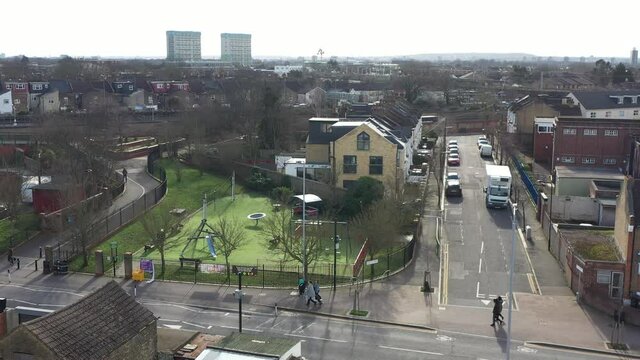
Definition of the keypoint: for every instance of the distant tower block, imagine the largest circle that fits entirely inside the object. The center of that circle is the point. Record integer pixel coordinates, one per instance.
(634, 57)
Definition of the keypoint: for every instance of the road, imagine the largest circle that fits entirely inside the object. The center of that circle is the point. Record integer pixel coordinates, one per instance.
(322, 337)
(479, 239)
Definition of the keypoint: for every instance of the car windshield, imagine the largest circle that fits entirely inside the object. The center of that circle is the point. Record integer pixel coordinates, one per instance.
(453, 176)
(453, 156)
(499, 191)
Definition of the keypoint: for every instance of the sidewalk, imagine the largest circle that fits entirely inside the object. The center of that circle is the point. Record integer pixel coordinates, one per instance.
(551, 317)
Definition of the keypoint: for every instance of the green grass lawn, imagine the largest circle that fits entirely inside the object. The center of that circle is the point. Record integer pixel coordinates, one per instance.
(15, 232)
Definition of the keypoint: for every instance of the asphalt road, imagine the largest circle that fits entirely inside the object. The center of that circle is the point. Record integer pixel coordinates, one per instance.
(479, 239)
(322, 337)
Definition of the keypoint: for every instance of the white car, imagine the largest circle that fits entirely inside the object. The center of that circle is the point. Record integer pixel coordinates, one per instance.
(482, 142)
(453, 142)
(453, 176)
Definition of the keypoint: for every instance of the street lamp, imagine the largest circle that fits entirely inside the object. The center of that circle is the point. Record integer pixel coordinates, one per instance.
(552, 183)
(114, 256)
(511, 268)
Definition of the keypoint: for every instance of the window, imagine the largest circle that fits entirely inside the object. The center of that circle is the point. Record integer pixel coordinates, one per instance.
(592, 114)
(16, 101)
(130, 87)
(615, 288)
(119, 86)
(636, 112)
(603, 276)
(607, 114)
(350, 164)
(568, 159)
(570, 131)
(20, 86)
(611, 133)
(160, 86)
(590, 132)
(5, 101)
(8, 86)
(588, 160)
(363, 141)
(375, 165)
(609, 161)
(621, 113)
(37, 86)
(348, 183)
(543, 129)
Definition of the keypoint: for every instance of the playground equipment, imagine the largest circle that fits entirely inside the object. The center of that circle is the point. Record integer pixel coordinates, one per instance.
(204, 231)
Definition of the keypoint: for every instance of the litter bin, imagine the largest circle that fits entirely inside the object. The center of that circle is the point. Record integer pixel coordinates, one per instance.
(527, 232)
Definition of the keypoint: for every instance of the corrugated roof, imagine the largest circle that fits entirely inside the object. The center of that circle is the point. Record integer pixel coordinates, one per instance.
(93, 327)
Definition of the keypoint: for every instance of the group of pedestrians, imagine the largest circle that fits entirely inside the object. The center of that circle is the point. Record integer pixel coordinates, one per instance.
(310, 290)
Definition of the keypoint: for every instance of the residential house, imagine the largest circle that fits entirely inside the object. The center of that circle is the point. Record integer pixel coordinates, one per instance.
(349, 149)
(164, 96)
(19, 95)
(627, 236)
(564, 81)
(106, 324)
(6, 102)
(521, 114)
(49, 102)
(587, 142)
(67, 99)
(607, 104)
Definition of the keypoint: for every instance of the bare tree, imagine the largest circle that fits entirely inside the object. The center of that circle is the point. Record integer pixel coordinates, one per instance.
(11, 193)
(159, 225)
(231, 236)
(285, 238)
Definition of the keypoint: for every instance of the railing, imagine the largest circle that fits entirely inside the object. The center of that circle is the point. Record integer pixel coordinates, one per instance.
(531, 188)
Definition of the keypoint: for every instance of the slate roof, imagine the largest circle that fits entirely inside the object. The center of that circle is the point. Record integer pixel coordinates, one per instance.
(93, 327)
(61, 85)
(602, 99)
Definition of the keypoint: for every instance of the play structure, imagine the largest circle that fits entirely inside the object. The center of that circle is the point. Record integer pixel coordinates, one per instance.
(204, 231)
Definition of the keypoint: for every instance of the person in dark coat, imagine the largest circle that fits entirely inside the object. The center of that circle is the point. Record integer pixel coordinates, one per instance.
(497, 311)
(316, 289)
(310, 294)
(301, 285)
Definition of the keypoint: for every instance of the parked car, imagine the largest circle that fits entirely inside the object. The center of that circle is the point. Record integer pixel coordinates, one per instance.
(486, 150)
(453, 159)
(453, 176)
(480, 138)
(452, 188)
(453, 142)
(482, 142)
(454, 150)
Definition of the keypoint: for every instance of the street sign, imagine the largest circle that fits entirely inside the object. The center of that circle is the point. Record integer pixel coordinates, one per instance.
(579, 268)
(244, 270)
(371, 262)
(146, 265)
(357, 265)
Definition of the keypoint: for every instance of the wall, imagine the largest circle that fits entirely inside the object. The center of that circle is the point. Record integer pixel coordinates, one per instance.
(144, 345)
(378, 146)
(22, 341)
(318, 153)
(526, 119)
(575, 208)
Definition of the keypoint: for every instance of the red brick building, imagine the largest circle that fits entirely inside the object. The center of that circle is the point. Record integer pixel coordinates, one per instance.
(587, 142)
(19, 94)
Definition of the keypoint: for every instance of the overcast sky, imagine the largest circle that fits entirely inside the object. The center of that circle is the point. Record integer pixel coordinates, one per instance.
(136, 28)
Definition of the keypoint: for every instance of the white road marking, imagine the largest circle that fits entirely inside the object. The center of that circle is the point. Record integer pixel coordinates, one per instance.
(47, 290)
(485, 302)
(317, 338)
(482, 247)
(480, 266)
(410, 350)
(170, 320)
(525, 349)
(195, 325)
(209, 327)
(478, 289)
(24, 302)
(444, 338)
(175, 327)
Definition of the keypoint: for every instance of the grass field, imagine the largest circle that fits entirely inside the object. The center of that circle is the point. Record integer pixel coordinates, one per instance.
(255, 250)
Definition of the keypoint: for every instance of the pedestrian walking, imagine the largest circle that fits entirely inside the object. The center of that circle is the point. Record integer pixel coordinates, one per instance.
(301, 285)
(124, 174)
(497, 311)
(18, 261)
(316, 289)
(310, 294)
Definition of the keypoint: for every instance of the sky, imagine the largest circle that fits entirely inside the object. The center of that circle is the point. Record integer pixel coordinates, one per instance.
(292, 28)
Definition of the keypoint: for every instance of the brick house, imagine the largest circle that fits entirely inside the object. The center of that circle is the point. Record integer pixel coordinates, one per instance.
(107, 324)
(19, 94)
(627, 235)
(587, 142)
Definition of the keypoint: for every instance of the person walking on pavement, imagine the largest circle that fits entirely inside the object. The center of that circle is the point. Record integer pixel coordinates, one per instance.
(497, 311)
(124, 174)
(301, 285)
(310, 294)
(316, 289)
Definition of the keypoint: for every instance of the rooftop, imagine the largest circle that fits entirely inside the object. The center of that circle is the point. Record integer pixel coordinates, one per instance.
(598, 245)
(588, 173)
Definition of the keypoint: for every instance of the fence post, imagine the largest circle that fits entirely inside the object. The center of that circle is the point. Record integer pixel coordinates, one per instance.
(106, 221)
(120, 216)
(145, 201)
(263, 276)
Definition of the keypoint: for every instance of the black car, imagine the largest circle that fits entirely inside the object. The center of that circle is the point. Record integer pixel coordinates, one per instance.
(453, 188)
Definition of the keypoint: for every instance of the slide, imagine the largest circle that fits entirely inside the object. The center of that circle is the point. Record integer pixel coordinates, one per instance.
(212, 248)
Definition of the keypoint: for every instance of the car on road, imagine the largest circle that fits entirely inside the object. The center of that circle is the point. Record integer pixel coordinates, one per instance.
(482, 142)
(454, 150)
(452, 188)
(453, 142)
(453, 176)
(453, 159)
(480, 138)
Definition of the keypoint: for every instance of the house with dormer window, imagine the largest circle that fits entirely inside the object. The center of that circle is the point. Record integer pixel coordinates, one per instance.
(344, 150)
(19, 94)
(608, 104)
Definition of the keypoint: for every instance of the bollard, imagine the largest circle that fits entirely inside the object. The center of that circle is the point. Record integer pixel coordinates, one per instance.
(36, 262)
(40, 252)
(276, 306)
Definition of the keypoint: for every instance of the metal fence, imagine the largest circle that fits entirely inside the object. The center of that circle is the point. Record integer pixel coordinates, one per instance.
(108, 224)
(531, 188)
(283, 274)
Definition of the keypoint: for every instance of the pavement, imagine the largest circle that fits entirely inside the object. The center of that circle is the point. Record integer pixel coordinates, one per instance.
(552, 318)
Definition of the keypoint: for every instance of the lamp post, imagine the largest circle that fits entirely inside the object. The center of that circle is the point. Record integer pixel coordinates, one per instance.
(511, 266)
(114, 256)
(304, 218)
(552, 183)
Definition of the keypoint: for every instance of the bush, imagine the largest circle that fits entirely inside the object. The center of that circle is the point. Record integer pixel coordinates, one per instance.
(259, 181)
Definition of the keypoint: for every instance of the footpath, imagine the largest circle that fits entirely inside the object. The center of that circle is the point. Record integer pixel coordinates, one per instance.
(552, 318)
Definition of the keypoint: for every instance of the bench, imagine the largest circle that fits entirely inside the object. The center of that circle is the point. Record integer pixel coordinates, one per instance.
(148, 247)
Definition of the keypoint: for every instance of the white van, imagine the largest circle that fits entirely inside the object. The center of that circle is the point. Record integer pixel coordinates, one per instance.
(486, 150)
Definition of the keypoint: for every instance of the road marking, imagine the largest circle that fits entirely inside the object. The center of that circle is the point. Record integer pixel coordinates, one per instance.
(47, 290)
(209, 327)
(480, 266)
(195, 325)
(532, 285)
(482, 247)
(536, 286)
(478, 289)
(525, 349)
(444, 338)
(411, 350)
(485, 302)
(317, 338)
(169, 320)
(25, 302)
(175, 327)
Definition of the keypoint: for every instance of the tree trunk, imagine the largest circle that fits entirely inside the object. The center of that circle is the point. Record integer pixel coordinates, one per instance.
(161, 251)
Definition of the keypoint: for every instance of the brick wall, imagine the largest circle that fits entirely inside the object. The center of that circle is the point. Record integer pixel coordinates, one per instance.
(144, 345)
